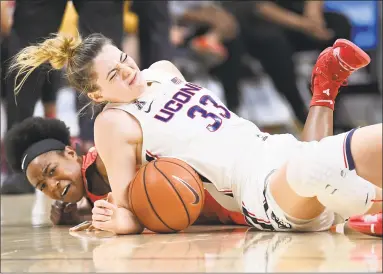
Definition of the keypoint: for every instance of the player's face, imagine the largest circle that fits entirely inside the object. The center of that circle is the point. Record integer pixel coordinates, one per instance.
(118, 76)
(58, 175)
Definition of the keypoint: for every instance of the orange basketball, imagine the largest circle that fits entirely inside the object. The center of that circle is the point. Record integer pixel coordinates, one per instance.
(166, 195)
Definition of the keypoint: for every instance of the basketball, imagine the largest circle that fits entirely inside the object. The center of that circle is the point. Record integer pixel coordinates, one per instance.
(166, 195)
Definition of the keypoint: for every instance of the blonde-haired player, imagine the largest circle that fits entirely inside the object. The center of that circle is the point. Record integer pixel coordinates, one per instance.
(276, 181)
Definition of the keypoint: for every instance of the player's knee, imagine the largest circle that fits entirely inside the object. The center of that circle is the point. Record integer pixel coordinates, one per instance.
(318, 169)
(301, 170)
(311, 166)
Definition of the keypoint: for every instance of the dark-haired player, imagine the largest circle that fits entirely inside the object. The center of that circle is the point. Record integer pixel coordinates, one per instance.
(44, 146)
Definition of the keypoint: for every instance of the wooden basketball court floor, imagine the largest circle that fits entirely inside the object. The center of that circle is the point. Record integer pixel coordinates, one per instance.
(30, 244)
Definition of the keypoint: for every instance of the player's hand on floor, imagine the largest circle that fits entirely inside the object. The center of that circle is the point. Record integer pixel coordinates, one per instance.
(64, 213)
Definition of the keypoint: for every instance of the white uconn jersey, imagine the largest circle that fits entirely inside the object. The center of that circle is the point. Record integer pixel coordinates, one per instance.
(185, 121)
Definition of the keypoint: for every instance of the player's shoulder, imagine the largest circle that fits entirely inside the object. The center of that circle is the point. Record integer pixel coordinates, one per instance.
(167, 67)
(113, 117)
(163, 65)
(116, 121)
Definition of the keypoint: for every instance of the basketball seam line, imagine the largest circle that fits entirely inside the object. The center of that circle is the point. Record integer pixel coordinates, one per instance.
(150, 203)
(179, 196)
(130, 202)
(201, 190)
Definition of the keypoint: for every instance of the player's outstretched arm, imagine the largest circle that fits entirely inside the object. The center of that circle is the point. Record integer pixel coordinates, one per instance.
(117, 148)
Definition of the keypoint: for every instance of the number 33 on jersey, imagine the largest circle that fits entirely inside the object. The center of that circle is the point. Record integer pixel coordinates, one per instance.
(185, 121)
(207, 108)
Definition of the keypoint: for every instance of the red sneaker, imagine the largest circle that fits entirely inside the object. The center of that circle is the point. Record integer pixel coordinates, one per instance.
(334, 65)
(367, 224)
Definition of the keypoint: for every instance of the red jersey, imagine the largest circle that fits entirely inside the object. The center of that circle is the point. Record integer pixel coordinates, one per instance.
(87, 161)
(211, 207)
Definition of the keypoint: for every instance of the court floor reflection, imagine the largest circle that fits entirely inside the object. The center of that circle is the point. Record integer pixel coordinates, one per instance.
(31, 244)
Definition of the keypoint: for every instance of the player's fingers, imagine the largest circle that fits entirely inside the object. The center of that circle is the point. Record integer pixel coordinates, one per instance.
(57, 209)
(110, 198)
(94, 229)
(80, 227)
(55, 219)
(70, 207)
(100, 218)
(58, 204)
(90, 228)
(55, 216)
(102, 211)
(103, 203)
(100, 225)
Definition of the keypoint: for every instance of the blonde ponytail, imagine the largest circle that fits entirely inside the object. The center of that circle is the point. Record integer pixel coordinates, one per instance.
(57, 50)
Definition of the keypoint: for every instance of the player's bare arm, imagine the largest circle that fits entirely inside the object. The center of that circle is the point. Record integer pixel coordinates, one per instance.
(119, 157)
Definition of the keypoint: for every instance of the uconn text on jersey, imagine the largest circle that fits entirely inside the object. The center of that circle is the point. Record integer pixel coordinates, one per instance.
(183, 96)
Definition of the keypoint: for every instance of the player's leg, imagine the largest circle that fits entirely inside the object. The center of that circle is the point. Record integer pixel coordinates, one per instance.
(349, 60)
(370, 223)
(104, 17)
(366, 147)
(328, 170)
(319, 124)
(32, 21)
(328, 75)
(49, 93)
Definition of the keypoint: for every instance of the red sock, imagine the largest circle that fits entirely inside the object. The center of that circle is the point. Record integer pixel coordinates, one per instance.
(324, 97)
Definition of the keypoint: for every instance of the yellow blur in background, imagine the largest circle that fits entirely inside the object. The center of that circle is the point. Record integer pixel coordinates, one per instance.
(70, 20)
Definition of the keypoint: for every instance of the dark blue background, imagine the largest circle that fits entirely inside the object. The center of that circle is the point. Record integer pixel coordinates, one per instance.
(364, 18)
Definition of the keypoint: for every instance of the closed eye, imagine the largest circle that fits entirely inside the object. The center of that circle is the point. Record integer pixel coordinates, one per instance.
(123, 58)
(115, 72)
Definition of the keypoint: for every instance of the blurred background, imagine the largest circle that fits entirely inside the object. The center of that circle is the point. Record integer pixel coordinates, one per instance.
(257, 56)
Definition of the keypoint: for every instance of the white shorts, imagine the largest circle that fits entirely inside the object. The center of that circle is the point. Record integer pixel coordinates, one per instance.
(258, 204)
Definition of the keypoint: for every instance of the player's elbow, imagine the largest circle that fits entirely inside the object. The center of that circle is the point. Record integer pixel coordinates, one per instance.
(134, 229)
(138, 229)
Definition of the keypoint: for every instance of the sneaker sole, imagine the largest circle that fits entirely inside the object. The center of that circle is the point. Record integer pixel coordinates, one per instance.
(357, 50)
